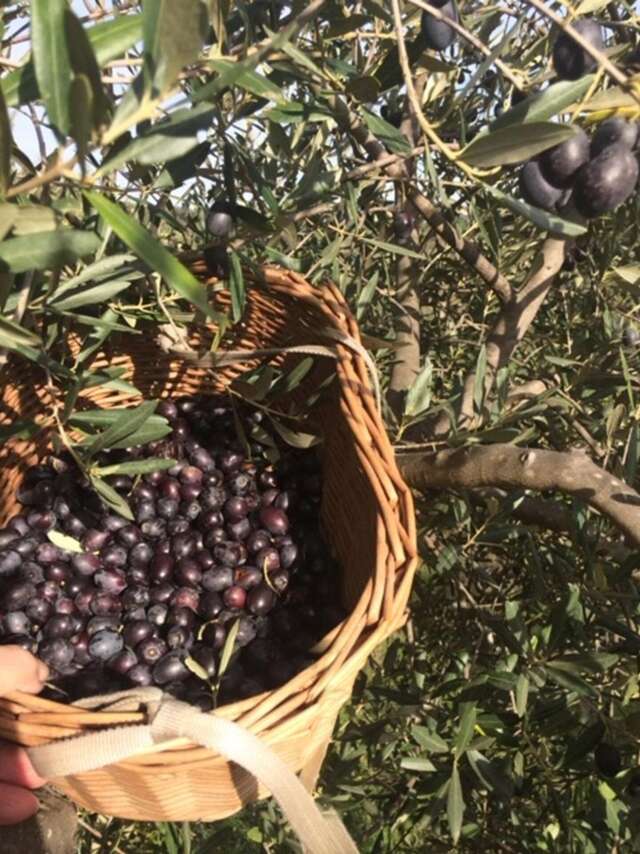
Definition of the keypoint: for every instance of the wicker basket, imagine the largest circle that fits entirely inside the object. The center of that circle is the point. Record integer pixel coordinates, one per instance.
(367, 511)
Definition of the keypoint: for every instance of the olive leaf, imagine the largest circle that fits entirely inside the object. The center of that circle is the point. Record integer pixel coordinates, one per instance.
(65, 542)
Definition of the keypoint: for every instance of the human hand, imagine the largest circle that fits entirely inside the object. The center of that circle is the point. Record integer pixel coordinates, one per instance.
(19, 671)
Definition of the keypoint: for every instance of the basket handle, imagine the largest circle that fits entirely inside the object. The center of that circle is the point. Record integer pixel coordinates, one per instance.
(320, 833)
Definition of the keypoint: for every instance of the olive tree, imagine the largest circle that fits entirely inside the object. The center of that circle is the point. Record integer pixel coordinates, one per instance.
(466, 172)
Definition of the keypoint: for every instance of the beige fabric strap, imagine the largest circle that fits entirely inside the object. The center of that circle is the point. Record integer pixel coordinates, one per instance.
(168, 719)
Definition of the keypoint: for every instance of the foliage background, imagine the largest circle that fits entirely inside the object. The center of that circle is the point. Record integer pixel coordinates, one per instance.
(474, 729)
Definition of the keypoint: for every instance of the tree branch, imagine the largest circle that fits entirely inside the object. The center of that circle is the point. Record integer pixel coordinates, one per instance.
(508, 467)
(351, 124)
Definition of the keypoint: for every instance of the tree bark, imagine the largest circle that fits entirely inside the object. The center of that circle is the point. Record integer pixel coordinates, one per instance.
(508, 467)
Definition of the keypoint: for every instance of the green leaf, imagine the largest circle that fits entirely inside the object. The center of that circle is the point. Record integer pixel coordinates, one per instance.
(136, 467)
(173, 35)
(417, 763)
(386, 133)
(11, 330)
(236, 286)
(227, 649)
(177, 171)
(125, 426)
(479, 375)
(197, 669)
(65, 542)
(22, 429)
(251, 81)
(429, 740)
(151, 251)
(46, 250)
(164, 141)
(51, 59)
(539, 107)
(515, 144)
(6, 142)
(465, 731)
(522, 694)
(84, 63)
(455, 804)
(570, 681)
(118, 265)
(419, 395)
(81, 100)
(295, 438)
(90, 296)
(546, 221)
(490, 774)
(29, 219)
(109, 39)
(111, 497)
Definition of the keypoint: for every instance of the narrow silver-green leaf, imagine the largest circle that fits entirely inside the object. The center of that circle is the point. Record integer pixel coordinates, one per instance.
(236, 287)
(522, 694)
(251, 81)
(111, 498)
(227, 649)
(51, 59)
(455, 804)
(388, 134)
(81, 101)
(164, 141)
(465, 731)
(197, 669)
(539, 107)
(110, 40)
(173, 35)
(126, 425)
(84, 63)
(6, 142)
(419, 395)
(65, 542)
(515, 144)
(151, 251)
(542, 219)
(429, 740)
(43, 251)
(417, 763)
(90, 296)
(136, 467)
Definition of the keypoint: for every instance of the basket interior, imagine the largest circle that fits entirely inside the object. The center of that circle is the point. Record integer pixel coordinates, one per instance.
(272, 319)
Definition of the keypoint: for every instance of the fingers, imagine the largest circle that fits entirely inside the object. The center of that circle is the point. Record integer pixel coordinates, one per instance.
(16, 804)
(16, 767)
(21, 671)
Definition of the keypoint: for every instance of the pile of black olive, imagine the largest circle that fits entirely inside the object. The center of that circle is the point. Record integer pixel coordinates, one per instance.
(224, 559)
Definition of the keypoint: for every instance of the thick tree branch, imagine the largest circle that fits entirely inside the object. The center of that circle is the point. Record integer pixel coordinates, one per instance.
(509, 328)
(508, 467)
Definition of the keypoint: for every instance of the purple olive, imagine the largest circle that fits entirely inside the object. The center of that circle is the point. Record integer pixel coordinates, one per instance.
(247, 577)
(157, 614)
(169, 669)
(188, 572)
(155, 529)
(114, 556)
(151, 650)
(274, 520)
(210, 605)
(185, 597)
(179, 637)
(105, 605)
(235, 597)
(136, 631)
(110, 580)
(181, 617)
(258, 540)
(217, 579)
(260, 600)
(122, 662)
(105, 644)
(94, 539)
(140, 675)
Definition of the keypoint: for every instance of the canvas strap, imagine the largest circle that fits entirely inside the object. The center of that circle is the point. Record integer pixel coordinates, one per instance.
(319, 833)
